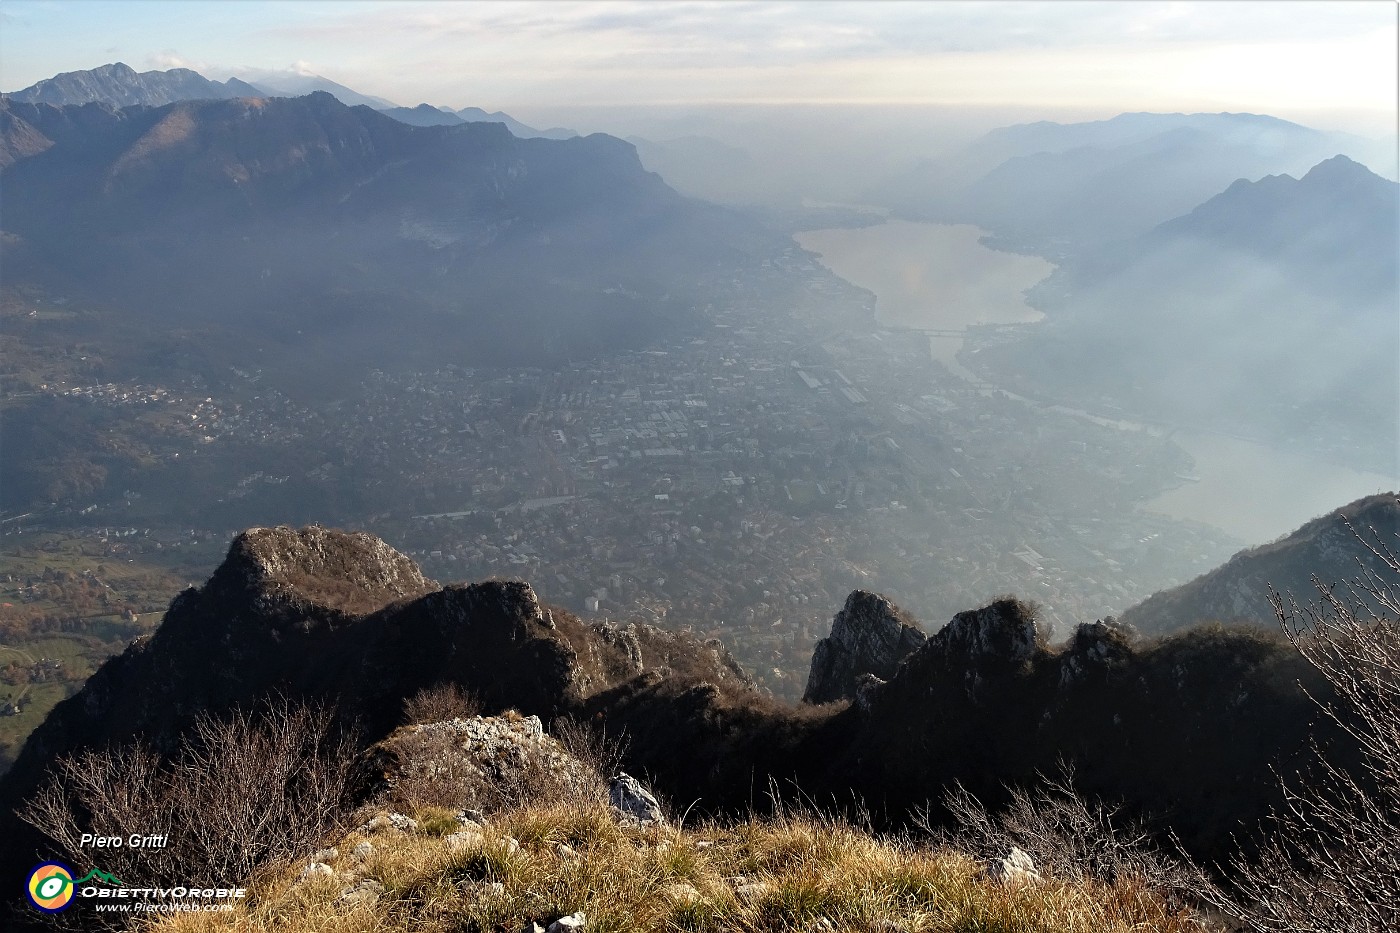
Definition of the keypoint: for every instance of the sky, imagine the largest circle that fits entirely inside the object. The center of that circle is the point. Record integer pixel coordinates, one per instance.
(1331, 64)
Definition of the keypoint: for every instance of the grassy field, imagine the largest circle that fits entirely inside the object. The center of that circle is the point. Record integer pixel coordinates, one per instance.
(62, 597)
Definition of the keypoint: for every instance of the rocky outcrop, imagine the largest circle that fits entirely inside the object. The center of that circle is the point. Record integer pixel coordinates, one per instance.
(1093, 650)
(473, 763)
(322, 616)
(870, 635)
(1002, 634)
(342, 619)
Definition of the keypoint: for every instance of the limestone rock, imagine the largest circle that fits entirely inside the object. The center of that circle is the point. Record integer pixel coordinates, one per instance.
(870, 635)
(1003, 634)
(365, 891)
(633, 802)
(316, 870)
(568, 924)
(748, 890)
(1093, 649)
(1016, 869)
(386, 821)
(681, 892)
(464, 840)
(479, 760)
(867, 690)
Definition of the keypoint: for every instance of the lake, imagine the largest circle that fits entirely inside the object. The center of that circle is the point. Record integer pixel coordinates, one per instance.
(938, 277)
(932, 277)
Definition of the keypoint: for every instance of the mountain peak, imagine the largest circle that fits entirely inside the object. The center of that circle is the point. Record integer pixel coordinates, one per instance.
(121, 85)
(1339, 169)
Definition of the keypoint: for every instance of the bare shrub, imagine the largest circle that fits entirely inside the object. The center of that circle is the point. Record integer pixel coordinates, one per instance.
(591, 745)
(1331, 857)
(238, 794)
(1067, 835)
(442, 701)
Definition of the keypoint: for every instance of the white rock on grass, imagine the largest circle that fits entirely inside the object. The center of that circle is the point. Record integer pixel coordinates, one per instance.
(747, 890)
(682, 892)
(367, 891)
(470, 817)
(316, 870)
(363, 850)
(1016, 869)
(462, 841)
(404, 824)
(567, 924)
(632, 802)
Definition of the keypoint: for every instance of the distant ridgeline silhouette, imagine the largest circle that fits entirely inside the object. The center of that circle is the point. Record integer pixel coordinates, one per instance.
(1186, 728)
(296, 223)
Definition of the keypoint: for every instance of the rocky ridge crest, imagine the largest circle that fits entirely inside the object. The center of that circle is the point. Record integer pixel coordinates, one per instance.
(869, 636)
(326, 617)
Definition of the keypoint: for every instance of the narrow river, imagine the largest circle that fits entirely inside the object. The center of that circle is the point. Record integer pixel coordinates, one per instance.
(939, 279)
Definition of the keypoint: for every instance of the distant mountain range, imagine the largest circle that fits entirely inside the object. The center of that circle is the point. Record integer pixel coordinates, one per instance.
(1058, 187)
(428, 115)
(705, 168)
(290, 83)
(121, 86)
(1334, 549)
(1268, 309)
(302, 222)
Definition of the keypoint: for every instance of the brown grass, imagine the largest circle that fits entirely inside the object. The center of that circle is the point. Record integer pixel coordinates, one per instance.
(817, 874)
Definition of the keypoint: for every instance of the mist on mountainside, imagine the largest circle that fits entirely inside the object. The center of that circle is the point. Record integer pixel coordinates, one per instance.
(582, 346)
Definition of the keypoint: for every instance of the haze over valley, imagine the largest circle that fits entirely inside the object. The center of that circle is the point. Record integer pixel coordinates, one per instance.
(523, 355)
(890, 317)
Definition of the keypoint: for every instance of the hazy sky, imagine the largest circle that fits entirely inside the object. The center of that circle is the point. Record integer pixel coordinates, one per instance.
(1331, 63)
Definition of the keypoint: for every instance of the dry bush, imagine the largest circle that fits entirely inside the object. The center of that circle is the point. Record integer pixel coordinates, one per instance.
(1066, 834)
(597, 751)
(238, 794)
(442, 701)
(1331, 858)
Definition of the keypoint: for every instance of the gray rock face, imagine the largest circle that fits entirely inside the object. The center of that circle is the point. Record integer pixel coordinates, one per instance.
(634, 802)
(870, 635)
(1003, 634)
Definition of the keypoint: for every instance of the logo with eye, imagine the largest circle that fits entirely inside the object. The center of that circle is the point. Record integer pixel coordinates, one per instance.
(50, 887)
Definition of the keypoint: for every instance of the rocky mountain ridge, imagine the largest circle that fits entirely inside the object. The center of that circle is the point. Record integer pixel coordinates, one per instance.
(291, 225)
(1331, 549)
(120, 85)
(325, 616)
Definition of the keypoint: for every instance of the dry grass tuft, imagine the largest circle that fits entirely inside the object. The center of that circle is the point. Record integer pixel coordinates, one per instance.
(801, 872)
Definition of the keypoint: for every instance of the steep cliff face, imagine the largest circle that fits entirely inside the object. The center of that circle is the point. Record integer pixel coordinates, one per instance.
(869, 636)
